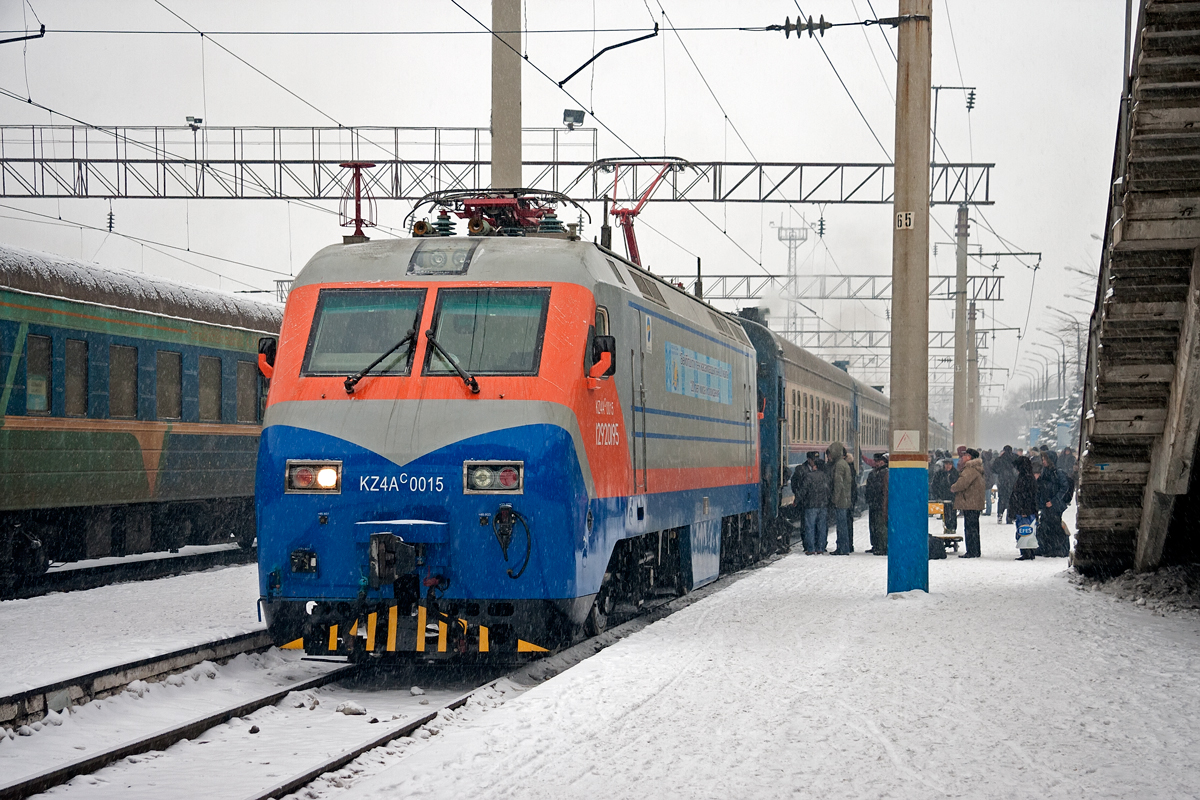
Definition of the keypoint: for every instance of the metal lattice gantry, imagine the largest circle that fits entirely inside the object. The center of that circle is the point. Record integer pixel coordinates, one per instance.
(259, 163)
(874, 340)
(830, 287)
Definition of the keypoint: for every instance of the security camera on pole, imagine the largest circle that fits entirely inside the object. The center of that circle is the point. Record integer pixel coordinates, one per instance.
(908, 486)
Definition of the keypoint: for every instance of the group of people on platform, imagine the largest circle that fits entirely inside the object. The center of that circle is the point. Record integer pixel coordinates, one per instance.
(1031, 492)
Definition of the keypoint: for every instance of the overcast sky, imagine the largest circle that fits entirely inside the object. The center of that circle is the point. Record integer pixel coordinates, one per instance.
(1048, 75)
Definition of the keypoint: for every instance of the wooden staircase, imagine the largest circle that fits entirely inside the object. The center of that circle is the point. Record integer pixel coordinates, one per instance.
(1142, 392)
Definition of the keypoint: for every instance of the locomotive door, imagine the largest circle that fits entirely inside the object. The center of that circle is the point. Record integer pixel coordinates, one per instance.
(637, 385)
(750, 394)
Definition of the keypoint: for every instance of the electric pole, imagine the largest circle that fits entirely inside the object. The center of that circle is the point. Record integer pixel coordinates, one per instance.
(971, 434)
(506, 94)
(961, 418)
(908, 481)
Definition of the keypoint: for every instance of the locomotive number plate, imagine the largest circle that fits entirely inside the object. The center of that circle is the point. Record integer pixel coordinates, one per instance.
(406, 482)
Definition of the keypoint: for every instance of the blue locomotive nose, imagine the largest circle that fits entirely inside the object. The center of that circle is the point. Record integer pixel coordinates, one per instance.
(479, 521)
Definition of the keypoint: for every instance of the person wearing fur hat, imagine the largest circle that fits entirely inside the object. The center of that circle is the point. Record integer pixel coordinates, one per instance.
(969, 498)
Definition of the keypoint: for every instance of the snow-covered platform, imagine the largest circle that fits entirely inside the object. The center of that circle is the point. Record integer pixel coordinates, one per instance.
(59, 636)
(804, 679)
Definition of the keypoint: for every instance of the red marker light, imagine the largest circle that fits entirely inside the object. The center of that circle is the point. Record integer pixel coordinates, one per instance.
(509, 478)
(303, 477)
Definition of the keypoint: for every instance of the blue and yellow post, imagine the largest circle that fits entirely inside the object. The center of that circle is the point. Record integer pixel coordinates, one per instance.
(908, 522)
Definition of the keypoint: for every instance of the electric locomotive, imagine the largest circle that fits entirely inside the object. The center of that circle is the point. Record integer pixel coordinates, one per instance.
(484, 444)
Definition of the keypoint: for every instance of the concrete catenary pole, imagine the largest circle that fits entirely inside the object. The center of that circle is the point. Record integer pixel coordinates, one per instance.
(908, 484)
(971, 434)
(962, 413)
(506, 94)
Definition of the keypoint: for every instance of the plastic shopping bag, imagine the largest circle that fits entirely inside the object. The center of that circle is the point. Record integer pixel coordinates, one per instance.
(1027, 535)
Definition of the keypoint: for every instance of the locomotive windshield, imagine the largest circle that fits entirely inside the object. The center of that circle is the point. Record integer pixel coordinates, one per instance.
(353, 327)
(489, 331)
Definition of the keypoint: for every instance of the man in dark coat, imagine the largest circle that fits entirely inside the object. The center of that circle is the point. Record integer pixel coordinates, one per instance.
(798, 475)
(1052, 501)
(1004, 467)
(877, 497)
(815, 497)
(940, 491)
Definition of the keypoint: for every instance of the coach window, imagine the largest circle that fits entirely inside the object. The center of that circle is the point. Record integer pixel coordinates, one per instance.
(122, 381)
(169, 384)
(353, 327)
(489, 331)
(247, 392)
(77, 378)
(37, 375)
(210, 389)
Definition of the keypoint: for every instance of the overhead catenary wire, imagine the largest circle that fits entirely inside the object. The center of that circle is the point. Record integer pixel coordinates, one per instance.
(605, 126)
(668, 22)
(248, 64)
(847, 89)
(148, 242)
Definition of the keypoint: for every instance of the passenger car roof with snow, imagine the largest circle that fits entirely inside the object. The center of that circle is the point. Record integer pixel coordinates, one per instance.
(54, 276)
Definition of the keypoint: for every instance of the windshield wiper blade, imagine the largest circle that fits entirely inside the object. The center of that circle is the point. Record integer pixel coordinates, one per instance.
(352, 380)
(467, 377)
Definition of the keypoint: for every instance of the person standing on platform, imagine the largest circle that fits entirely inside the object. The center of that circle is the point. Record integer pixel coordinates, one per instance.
(968, 498)
(842, 495)
(877, 496)
(798, 475)
(1052, 501)
(1023, 504)
(989, 480)
(940, 492)
(1005, 470)
(853, 496)
(815, 498)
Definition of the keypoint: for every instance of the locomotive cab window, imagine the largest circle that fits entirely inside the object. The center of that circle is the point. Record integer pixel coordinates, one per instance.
(37, 375)
(353, 327)
(601, 321)
(489, 331)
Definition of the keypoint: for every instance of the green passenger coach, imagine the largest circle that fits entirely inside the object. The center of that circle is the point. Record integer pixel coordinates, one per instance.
(130, 412)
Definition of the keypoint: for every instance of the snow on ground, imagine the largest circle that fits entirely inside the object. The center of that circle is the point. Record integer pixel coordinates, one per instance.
(246, 755)
(1166, 590)
(108, 561)
(805, 680)
(59, 636)
(147, 707)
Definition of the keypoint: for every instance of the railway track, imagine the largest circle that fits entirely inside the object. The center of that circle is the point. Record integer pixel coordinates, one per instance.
(528, 674)
(70, 578)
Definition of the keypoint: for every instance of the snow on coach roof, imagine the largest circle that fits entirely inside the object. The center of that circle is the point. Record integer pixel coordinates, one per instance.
(45, 274)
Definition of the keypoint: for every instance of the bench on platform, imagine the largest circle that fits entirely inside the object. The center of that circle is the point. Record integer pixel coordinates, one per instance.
(948, 539)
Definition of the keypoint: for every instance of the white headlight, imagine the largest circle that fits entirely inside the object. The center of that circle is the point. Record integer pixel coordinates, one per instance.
(327, 477)
(482, 478)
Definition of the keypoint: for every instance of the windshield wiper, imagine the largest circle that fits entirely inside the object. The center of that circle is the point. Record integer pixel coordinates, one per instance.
(352, 380)
(467, 377)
